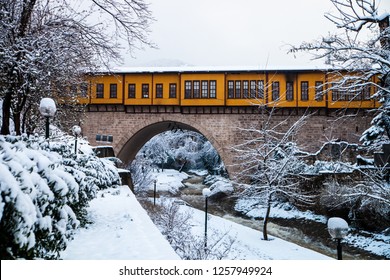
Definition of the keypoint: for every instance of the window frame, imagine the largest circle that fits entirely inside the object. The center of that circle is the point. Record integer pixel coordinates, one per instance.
(131, 91)
(159, 90)
(213, 89)
(113, 90)
(230, 85)
(100, 90)
(172, 90)
(319, 91)
(275, 91)
(187, 89)
(204, 84)
(196, 89)
(260, 89)
(237, 89)
(304, 90)
(245, 89)
(290, 91)
(145, 91)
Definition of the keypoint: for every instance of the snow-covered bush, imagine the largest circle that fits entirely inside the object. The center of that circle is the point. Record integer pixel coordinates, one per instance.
(176, 225)
(43, 189)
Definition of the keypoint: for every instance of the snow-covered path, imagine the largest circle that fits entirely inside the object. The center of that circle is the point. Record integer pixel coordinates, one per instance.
(123, 230)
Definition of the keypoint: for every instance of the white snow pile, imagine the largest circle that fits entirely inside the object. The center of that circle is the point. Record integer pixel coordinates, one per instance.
(169, 180)
(44, 190)
(219, 185)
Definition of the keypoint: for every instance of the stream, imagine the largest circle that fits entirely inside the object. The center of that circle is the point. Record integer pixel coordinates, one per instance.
(306, 233)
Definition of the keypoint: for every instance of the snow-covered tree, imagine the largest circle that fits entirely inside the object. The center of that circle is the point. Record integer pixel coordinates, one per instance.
(46, 47)
(44, 189)
(181, 150)
(270, 164)
(360, 53)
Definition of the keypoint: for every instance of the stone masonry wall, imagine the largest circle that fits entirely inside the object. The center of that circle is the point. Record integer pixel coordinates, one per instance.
(222, 130)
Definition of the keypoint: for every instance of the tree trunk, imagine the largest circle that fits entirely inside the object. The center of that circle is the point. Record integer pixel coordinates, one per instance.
(17, 123)
(266, 217)
(6, 114)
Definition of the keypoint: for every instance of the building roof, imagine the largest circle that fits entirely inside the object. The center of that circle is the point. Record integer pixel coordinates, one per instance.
(213, 69)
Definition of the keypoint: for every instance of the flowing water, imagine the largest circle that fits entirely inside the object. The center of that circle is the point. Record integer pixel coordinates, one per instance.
(306, 233)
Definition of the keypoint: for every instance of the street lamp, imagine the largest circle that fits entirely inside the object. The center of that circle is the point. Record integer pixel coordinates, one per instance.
(206, 193)
(76, 132)
(338, 229)
(47, 107)
(154, 193)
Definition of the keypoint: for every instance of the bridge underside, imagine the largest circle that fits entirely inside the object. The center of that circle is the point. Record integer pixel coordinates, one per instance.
(129, 150)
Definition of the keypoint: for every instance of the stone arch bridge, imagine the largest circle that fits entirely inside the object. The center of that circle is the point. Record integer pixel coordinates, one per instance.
(132, 126)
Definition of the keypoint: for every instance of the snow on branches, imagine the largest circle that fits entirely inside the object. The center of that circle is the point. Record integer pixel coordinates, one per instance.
(359, 56)
(43, 191)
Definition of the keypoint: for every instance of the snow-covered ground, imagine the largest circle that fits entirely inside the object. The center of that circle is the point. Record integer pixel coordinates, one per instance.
(121, 229)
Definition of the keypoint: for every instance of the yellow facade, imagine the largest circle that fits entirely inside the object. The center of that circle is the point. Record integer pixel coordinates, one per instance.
(277, 94)
(338, 99)
(315, 81)
(104, 83)
(251, 91)
(169, 87)
(139, 81)
(213, 99)
(288, 88)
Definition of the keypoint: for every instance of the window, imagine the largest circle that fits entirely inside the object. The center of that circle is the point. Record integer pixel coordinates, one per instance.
(205, 89)
(305, 91)
(172, 90)
(159, 90)
(100, 91)
(230, 89)
(275, 91)
(366, 92)
(84, 89)
(257, 89)
(213, 89)
(145, 90)
(196, 89)
(113, 90)
(290, 91)
(335, 93)
(131, 93)
(319, 91)
(188, 89)
(260, 89)
(245, 88)
(238, 89)
(253, 89)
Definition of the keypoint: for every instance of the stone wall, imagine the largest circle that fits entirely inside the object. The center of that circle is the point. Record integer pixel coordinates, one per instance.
(131, 131)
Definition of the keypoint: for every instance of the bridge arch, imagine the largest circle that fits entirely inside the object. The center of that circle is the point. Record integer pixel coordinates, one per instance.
(134, 139)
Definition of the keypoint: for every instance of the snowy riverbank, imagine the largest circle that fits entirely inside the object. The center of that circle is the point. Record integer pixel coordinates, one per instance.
(121, 229)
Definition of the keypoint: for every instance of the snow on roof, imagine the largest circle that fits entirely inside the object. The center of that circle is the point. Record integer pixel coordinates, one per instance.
(192, 69)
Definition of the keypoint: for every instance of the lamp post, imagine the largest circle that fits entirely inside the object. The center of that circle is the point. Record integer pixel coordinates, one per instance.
(47, 107)
(154, 193)
(76, 132)
(338, 229)
(206, 193)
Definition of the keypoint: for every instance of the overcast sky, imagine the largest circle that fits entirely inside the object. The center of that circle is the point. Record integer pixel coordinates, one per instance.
(234, 32)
